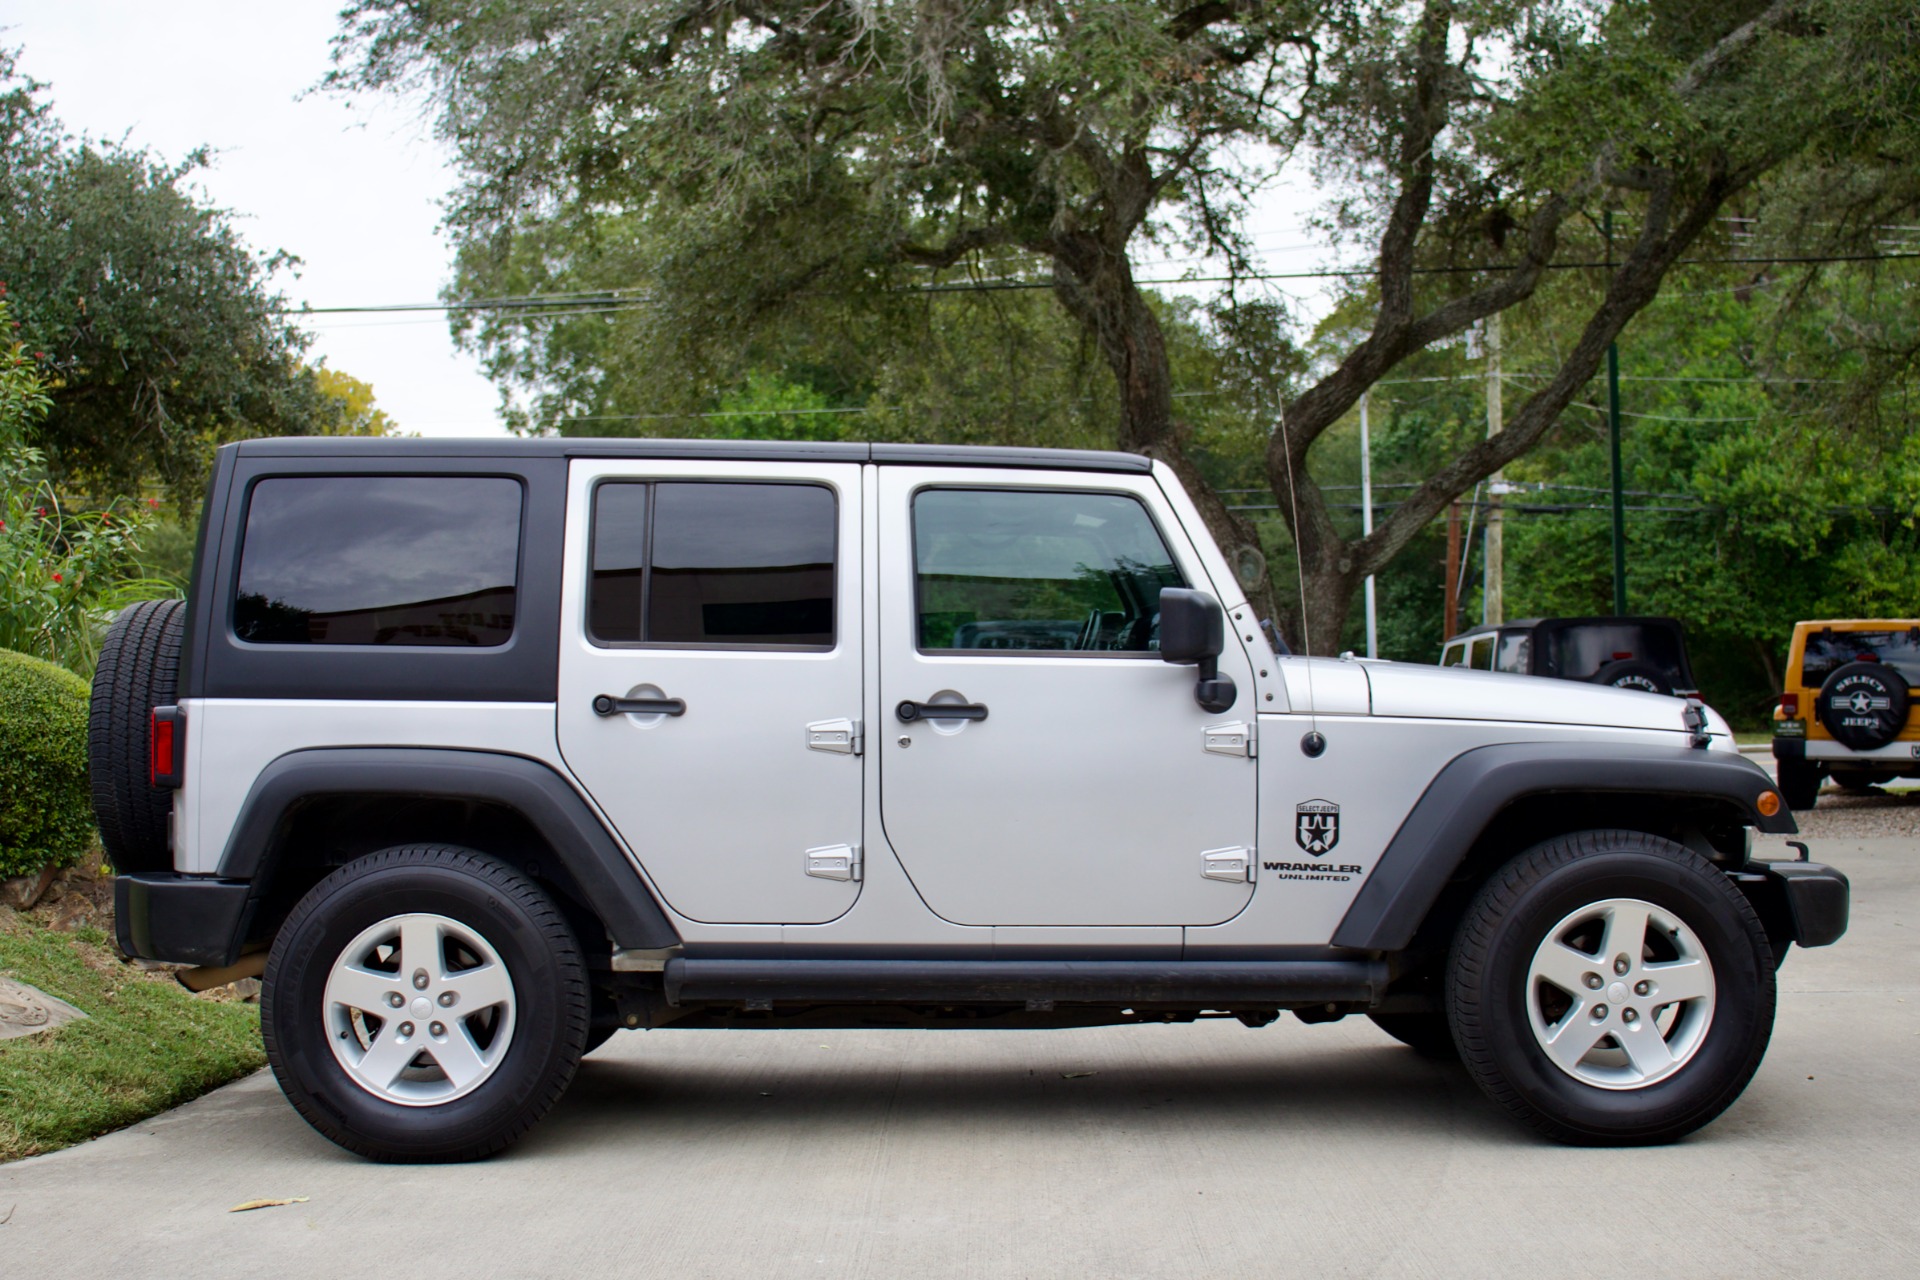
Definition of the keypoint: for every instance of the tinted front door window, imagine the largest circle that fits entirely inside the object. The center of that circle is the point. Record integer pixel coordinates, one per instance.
(1032, 570)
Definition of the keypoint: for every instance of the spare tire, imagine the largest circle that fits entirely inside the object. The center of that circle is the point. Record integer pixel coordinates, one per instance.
(1627, 674)
(138, 670)
(1864, 705)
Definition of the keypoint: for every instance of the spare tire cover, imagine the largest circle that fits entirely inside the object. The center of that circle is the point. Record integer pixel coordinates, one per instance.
(1628, 674)
(1864, 705)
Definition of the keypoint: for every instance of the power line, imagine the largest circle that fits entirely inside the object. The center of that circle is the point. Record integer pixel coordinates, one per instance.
(618, 299)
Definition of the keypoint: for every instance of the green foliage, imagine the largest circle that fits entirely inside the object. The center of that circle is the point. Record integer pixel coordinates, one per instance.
(146, 1044)
(63, 572)
(46, 809)
(156, 330)
(353, 412)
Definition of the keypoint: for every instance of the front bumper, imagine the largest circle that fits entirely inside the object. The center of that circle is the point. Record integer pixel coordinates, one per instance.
(162, 915)
(1900, 754)
(1803, 902)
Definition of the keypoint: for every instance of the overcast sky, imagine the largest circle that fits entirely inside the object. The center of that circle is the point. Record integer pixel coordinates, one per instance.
(354, 192)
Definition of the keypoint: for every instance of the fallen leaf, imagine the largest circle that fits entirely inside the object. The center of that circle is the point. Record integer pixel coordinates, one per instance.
(266, 1204)
(1077, 1075)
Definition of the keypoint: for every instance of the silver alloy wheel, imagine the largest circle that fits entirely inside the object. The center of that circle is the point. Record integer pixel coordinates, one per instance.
(1620, 994)
(419, 1010)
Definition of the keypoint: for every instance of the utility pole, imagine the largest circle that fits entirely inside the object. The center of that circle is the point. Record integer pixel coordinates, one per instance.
(1613, 433)
(1493, 601)
(1366, 518)
(1453, 571)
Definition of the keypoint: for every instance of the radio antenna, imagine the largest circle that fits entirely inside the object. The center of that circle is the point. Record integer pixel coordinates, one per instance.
(1313, 744)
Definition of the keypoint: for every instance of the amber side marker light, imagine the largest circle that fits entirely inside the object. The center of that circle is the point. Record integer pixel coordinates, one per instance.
(1768, 804)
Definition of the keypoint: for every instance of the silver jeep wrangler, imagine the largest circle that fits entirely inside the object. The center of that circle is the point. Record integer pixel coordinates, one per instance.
(482, 751)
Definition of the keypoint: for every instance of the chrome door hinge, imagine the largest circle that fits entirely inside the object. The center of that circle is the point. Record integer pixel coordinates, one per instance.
(842, 737)
(1235, 866)
(834, 862)
(1235, 738)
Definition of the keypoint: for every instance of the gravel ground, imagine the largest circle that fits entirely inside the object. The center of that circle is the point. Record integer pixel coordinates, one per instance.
(1863, 817)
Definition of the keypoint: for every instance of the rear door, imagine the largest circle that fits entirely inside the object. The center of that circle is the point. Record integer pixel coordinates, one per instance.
(717, 606)
(1087, 794)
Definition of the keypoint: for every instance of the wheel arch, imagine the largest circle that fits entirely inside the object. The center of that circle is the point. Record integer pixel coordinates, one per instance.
(312, 811)
(1490, 803)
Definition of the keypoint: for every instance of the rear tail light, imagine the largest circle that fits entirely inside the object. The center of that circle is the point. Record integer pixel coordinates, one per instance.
(166, 739)
(1790, 705)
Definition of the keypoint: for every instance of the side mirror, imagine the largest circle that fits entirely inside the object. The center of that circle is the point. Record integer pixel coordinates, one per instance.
(1193, 630)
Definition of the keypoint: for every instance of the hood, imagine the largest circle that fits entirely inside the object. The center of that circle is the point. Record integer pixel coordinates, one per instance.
(1460, 693)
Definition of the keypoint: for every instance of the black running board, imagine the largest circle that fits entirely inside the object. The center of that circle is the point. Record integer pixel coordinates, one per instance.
(1206, 984)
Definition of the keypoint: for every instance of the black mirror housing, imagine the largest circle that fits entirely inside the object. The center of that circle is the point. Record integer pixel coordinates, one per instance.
(1193, 626)
(1193, 629)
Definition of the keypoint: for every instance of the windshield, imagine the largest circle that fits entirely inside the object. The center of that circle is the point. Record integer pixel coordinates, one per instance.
(1828, 649)
(1579, 650)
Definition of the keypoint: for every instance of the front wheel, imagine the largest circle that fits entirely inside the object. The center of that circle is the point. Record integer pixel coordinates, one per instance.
(425, 1003)
(1611, 988)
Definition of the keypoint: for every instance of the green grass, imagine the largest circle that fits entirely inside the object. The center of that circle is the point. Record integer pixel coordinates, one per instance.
(145, 1045)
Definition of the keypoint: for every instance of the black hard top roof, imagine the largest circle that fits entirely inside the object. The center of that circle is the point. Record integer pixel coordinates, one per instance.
(947, 455)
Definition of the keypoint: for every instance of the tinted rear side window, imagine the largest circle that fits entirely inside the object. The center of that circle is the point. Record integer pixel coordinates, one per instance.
(696, 563)
(380, 560)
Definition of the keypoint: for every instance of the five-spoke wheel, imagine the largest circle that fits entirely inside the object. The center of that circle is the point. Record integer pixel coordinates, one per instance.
(1620, 994)
(420, 1010)
(424, 1003)
(1611, 987)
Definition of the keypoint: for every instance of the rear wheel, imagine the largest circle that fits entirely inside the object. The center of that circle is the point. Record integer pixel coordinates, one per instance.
(1611, 988)
(425, 1003)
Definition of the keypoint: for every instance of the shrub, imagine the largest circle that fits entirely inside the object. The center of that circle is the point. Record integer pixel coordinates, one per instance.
(46, 810)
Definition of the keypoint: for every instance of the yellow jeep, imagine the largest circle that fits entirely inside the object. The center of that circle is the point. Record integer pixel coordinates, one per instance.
(1844, 711)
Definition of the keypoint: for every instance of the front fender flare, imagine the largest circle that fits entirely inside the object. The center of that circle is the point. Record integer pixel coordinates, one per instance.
(1476, 785)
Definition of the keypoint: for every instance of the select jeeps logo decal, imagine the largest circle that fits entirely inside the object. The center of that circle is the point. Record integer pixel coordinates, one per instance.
(1316, 826)
(1861, 702)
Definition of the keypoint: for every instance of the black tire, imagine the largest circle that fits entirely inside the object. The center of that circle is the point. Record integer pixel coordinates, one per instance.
(1863, 705)
(1427, 1034)
(138, 670)
(1628, 674)
(1488, 996)
(1799, 783)
(498, 905)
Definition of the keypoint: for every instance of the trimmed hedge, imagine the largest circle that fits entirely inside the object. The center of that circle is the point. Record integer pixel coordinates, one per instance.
(46, 810)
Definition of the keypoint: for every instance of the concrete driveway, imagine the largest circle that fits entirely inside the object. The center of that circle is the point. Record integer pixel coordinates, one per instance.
(1206, 1151)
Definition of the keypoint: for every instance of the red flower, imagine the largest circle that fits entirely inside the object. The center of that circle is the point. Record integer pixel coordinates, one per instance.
(58, 578)
(154, 503)
(41, 512)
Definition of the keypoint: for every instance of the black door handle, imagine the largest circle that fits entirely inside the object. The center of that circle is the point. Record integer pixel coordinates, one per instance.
(608, 705)
(911, 711)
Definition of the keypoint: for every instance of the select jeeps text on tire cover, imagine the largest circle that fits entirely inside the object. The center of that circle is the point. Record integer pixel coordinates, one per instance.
(489, 749)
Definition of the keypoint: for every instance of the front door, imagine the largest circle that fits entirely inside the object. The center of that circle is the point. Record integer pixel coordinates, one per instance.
(710, 678)
(1085, 795)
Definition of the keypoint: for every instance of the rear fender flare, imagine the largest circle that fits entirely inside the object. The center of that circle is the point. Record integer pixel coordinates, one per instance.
(578, 839)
